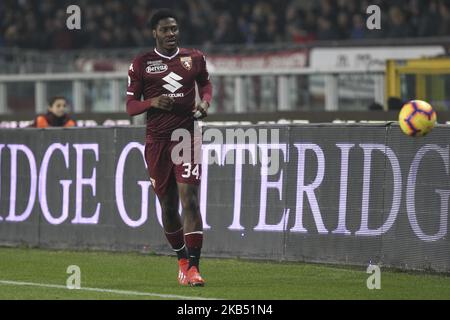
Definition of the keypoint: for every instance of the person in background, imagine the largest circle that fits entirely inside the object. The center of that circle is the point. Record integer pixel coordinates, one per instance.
(395, 103)
(358, 30)
(56, 115)
(375, 106)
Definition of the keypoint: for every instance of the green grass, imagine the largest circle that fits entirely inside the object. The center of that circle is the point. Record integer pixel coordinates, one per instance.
(226, 278)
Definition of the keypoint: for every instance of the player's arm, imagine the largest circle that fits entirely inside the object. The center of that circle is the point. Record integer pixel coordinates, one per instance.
(204, 90)
(134, 93)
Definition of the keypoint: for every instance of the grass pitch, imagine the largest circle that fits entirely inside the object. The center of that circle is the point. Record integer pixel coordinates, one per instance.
(42, 274)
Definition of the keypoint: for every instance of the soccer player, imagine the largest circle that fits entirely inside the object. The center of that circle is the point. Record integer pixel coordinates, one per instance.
(56, 115)
(166, 78)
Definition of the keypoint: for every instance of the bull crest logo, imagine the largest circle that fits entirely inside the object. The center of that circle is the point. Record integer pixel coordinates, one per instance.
(186, 62)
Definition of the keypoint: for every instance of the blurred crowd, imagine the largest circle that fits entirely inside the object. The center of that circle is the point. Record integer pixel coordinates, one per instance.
(124, 23)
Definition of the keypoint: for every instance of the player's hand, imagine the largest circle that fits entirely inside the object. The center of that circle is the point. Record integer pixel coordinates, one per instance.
(162, 102)
(201, 110)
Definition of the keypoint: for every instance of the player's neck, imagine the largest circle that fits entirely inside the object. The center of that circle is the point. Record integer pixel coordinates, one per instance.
(166, 53)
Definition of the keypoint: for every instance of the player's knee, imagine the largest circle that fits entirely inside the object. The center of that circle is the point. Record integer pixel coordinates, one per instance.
(190, 202)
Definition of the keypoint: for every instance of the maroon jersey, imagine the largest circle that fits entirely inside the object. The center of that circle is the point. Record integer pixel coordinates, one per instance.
(153, 74)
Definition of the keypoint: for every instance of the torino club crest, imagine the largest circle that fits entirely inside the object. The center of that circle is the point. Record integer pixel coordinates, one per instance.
(186, 62)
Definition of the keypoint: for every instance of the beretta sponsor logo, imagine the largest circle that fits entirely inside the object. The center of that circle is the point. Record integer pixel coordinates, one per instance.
(156, 68)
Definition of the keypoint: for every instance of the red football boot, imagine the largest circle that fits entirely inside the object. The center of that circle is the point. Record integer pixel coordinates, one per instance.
(194, 277)
(183, 265)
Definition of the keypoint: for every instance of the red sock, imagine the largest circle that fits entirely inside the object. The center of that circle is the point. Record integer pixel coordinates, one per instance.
(176, 240)
(194, 242)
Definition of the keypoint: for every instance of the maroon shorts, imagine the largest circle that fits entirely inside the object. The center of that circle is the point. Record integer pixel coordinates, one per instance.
(165, 172)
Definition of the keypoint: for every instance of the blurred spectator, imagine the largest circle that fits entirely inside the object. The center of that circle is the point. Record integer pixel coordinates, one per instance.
(61, 37)
(394, 103)
(359, 27)
(444, 9)
(428, 19)
(56, 115)
(325, 30)
(343, 25)
(348, 6)
(398, 26)
(327, 10)
(224, 33)
(124, 23)
(375, 106)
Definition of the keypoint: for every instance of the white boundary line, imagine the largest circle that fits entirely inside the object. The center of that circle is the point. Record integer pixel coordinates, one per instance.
(122, 292)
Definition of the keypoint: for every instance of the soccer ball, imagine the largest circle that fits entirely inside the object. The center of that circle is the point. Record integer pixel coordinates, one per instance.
(417, 118)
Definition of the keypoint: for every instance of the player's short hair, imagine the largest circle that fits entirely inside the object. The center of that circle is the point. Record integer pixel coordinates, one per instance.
(161, 14)
(52, 100)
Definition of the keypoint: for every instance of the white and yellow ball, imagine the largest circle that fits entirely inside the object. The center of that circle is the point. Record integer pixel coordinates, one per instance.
(417, 118)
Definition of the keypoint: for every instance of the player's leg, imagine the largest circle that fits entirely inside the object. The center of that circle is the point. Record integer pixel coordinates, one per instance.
(193, 225)
(171, 220)
(188, 174)
(173, 230)
(160, 169)
(193, 229)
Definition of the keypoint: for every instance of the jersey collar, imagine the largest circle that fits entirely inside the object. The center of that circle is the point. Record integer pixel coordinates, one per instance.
(171, 57)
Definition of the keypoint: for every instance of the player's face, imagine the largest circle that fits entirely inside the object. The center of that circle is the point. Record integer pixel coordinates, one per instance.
(166, 34)
(58, 108)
